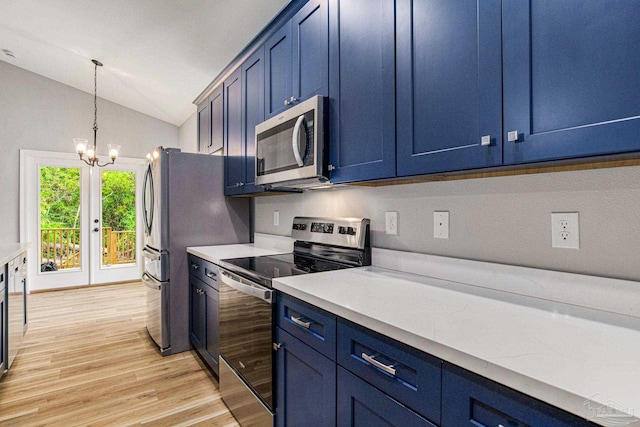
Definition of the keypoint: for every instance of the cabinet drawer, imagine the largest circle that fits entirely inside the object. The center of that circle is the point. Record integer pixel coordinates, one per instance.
(204, 270)
(404, 373)
(311, 325)
(471, 400)
(362, 405)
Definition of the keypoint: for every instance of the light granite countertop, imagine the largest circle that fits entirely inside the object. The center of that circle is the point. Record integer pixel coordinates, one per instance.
(555, 352)
(8, 251)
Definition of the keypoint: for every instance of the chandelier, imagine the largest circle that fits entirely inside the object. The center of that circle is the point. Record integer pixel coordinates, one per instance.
(81, 143)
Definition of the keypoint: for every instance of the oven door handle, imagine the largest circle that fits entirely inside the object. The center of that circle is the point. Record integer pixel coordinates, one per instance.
(253, 290)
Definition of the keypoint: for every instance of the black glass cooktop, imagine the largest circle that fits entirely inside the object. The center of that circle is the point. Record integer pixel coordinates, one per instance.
(269, 267)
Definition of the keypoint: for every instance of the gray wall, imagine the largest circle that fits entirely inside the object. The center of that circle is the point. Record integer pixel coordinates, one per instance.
(504, 219)
(37, 113)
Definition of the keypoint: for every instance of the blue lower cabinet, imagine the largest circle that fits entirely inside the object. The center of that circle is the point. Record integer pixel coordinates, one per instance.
(474, 401)
(362, 405)
(402, 372)
(305, 384)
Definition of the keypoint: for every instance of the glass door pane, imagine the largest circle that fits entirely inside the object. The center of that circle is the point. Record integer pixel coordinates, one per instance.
(60, 219)
(118, 190)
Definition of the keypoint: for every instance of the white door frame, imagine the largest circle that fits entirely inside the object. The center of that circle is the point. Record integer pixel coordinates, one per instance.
(30, 163)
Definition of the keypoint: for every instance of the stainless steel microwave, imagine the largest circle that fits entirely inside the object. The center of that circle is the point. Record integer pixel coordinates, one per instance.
(291, 147)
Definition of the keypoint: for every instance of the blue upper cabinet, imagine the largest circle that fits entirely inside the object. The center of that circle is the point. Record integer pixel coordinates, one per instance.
(252, 113)
(362, 90)
(296, 59)
(244, 109)
(571, 79)
(277, 71)
(233, 147)
(310, 39)
(449, 91)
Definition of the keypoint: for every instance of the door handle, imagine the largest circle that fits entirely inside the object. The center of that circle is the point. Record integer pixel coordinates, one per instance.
(294, 141)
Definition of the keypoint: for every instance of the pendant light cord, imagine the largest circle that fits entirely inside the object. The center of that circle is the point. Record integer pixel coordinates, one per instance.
(95, 101)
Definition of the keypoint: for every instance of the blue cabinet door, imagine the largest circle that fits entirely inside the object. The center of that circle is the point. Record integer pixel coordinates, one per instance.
(449, 85)
(305, 384)
(473, 401)
(310, 43)
(362, 90)
(252, 114)
(278, 57)
(234, 151)
(362, 405)
(571, 78)
(196, 313)
(204, 127)
(216, 104)
(211, 328)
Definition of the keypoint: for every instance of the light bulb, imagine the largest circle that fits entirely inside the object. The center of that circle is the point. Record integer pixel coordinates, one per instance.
(114, 149)
(81, 145)
(90, 153)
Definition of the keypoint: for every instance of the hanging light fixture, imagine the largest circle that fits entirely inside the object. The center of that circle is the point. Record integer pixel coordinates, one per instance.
(81, 143)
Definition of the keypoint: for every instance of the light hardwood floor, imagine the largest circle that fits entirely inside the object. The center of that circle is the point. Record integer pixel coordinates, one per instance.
(87, 360)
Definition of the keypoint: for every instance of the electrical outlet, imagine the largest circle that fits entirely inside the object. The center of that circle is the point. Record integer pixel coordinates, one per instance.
(441, 224)
(391, 223)
(276, 218)
(565, 230)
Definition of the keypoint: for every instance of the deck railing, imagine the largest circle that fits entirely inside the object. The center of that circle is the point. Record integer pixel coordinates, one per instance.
(61, 247)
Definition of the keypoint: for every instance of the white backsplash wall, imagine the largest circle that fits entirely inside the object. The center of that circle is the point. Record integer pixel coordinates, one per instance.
(503, 219)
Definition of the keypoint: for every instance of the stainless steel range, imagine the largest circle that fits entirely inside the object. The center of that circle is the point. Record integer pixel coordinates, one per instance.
(247, 307)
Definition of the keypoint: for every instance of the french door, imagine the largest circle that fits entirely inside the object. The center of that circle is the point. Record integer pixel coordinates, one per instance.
(83, 223)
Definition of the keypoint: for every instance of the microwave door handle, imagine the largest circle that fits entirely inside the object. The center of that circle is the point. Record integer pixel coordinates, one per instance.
(295, 139)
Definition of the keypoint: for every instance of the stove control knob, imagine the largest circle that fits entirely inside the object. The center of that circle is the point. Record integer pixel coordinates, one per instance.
(351, 231)
(342, 230)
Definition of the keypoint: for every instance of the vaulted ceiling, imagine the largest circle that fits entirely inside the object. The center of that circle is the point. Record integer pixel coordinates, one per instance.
(158, 55)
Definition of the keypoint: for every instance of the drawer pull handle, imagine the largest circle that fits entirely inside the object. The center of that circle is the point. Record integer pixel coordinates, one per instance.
(389, 369)
(210, 274)
(195, 266)
(301, 322)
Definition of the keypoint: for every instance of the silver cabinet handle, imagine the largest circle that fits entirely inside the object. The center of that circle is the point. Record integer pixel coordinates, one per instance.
(210, 274)
(293, 99)
(512, 136)
(485, 140)
(287, 102)
(294, 141)
(195, 266)
(300, 322)
(389, 369)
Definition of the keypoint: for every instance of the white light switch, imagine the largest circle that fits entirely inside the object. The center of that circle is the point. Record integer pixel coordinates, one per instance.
(441, 224)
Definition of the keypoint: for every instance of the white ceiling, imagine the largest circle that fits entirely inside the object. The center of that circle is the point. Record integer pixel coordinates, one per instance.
(158, 55)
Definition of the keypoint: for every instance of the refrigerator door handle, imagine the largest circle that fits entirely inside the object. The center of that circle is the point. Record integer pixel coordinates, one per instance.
(153, 256)
(148, 207)
(150, 282)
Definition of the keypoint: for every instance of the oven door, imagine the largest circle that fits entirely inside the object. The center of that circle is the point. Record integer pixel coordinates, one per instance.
(290, 146)
(246, 314)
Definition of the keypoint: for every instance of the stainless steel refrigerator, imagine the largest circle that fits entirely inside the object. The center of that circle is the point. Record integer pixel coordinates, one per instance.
(184, 205)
